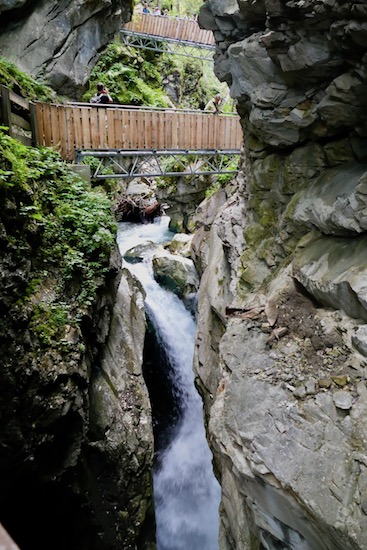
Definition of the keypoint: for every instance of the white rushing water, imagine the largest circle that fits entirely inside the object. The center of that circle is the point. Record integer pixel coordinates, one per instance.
(186, 492)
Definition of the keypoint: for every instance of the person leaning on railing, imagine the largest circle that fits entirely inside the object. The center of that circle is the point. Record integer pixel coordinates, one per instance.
(102, 95)
(215, 105)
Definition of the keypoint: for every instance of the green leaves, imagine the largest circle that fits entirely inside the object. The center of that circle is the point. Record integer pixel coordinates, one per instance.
(20, 82)
(74, 223)
(131, 79)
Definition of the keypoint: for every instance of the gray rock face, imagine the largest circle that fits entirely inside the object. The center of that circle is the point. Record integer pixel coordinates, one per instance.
(182, 201)
(285, 53)
(335, 202)
(281, 345)
(59, 42)
(120, 420)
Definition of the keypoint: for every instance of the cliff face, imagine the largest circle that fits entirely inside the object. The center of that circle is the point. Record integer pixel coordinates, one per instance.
(282, 343)
(76, 444)
(59, 42)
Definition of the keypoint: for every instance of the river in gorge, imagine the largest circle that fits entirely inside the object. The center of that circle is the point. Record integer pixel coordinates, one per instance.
(186, 493)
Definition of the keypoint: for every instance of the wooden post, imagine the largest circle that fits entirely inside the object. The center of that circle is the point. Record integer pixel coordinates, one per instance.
(6, 108)
(34, 125)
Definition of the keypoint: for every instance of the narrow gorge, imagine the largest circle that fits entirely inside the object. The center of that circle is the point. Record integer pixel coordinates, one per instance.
(280, 352)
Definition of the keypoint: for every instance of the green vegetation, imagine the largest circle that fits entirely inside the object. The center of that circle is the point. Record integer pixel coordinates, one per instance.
(19, 82)
(137, 77)
(132, 78)
(64, 226)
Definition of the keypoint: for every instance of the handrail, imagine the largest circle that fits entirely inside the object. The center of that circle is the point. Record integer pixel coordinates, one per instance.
(143, 108)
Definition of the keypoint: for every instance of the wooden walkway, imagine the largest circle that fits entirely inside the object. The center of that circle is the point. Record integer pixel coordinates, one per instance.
(182, 30)
(133, 141)
(85, 127)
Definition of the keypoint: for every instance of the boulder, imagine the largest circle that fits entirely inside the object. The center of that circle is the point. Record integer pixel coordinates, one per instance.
(181, 244)
(175, 273)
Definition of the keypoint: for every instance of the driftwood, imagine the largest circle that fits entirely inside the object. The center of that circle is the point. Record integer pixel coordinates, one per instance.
(137, 208)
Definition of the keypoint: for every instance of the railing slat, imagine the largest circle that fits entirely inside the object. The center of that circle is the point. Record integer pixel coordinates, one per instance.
(70, 138)
(94, 128)
(86, 127)
(118, 129)
(47, 124)
(63, 132)
(55, 128)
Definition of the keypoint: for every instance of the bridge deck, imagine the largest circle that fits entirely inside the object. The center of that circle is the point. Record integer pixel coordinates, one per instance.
(86, 127)
(182, 30)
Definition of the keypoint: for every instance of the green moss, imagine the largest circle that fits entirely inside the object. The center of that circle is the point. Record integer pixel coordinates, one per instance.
(20, 82)
(267, 172)
(253, 233)
(48, 322)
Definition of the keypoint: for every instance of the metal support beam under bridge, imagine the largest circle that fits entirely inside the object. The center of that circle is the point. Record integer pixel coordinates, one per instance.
(154, 164)
(168, 45)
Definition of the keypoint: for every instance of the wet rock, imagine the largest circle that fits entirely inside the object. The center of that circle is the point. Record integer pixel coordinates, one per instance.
(175, 273)
(137, 253)
(181, 244)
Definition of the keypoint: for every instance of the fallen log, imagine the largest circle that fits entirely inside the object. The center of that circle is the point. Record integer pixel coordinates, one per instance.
(137, 208)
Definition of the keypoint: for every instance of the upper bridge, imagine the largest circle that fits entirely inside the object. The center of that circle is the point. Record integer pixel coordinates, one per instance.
(140, 141)
(169, 35)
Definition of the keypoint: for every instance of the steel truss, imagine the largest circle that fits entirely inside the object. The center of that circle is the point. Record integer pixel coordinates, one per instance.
(153, 164)
(162, 44)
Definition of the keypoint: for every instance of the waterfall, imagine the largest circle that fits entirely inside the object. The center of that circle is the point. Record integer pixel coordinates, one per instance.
(186, 493)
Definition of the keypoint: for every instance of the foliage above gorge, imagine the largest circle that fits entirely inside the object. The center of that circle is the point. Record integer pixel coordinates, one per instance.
(143, 77)
(56, 225)
(132, 79)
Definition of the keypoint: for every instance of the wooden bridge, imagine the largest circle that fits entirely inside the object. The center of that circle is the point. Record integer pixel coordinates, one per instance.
(131, 141)
(129, 138)
(169, 35)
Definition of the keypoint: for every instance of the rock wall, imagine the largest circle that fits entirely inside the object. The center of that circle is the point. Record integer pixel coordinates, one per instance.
(59, 42)
(281, 351)
(76, 445)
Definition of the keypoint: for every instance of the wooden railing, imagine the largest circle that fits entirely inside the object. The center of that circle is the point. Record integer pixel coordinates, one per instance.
(18, 115)
(166, 27)
(70, 127)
